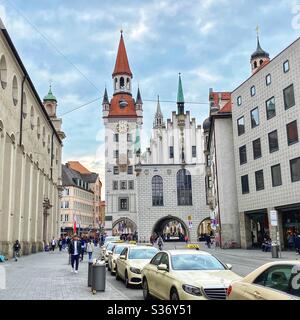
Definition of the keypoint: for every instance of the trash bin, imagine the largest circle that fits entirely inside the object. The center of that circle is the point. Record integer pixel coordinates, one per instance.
(90, 274)
(274, 250)
(98, 279)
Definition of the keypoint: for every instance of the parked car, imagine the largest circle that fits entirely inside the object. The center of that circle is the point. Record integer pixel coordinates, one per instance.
(186, 275)
(114, 254)
(278, 280)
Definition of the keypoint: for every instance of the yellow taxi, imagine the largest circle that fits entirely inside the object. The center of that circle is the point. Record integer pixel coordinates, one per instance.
(278, 280)
(108, 249)
(131, 262)
(114, 254)
(186, 275)
(106, 242)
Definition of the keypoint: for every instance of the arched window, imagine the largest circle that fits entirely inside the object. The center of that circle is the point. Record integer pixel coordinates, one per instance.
(255, 64)
(116, 82)
(32, 117)
(122, 83)
(38, 127)
(3, 72)
(49, 143)
(127, 84)
(44, 136)
(261, 62)
(24, 105)
(184, 188)
(15, 90)
(157, 191)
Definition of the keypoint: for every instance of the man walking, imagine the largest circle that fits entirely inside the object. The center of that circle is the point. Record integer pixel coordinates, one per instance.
(75, 251)
(16, 249)
(90, 249)
(60, 244)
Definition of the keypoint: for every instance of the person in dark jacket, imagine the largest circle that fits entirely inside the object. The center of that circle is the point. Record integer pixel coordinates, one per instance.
(75, 252)
(297, 243)
(16, 249)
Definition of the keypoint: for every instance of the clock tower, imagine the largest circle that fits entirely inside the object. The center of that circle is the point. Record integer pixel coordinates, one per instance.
(123, 119)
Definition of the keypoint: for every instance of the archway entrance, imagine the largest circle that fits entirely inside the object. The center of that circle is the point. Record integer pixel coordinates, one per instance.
(125, 228)
(171, 229)
(204, 229)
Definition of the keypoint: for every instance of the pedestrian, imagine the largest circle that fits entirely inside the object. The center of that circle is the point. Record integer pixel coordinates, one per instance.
(90, 249)
(160, 243)
(16, 250)
(297, 243)
(83, 243)
(60, 244)
(53, 244)
(291, 241)
(75, 251)
(186, 239)
(208, 241)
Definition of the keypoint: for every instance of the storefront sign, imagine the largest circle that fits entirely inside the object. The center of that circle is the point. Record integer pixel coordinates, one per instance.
(274, 218)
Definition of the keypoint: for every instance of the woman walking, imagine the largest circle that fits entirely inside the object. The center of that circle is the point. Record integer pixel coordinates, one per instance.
(90, 249)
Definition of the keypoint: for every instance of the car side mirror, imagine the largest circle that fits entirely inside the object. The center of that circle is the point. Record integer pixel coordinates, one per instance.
(229, 266)
(162, 267)
(123, 257)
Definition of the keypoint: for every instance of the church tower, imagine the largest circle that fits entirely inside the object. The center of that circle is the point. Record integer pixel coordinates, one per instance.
(123, 119)
(259, 58)
(158, 118)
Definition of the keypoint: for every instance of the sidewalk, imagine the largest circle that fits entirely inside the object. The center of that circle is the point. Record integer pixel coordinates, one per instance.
(47, 276)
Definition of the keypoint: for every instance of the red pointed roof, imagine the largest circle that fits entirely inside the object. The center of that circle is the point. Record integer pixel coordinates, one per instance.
(122, 65)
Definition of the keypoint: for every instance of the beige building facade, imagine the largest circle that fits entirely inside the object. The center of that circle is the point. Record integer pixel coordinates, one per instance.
(30, 158)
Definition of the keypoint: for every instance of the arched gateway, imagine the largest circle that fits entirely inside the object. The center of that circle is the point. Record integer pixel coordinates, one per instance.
(124, 226)
(171, 229)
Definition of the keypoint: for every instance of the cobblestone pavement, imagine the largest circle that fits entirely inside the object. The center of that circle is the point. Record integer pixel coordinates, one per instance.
(47, 276)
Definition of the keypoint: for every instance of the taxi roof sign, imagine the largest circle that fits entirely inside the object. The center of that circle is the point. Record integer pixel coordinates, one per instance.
(192, 246)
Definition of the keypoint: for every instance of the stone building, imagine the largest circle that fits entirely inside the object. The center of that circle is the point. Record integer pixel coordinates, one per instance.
(81, 199)
(171, 177)
(30, 157)
(220, 170)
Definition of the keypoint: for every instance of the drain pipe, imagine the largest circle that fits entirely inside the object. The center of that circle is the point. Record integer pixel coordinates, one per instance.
(22, 107)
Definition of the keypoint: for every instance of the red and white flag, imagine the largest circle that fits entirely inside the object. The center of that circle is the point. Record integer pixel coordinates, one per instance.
(75, 223)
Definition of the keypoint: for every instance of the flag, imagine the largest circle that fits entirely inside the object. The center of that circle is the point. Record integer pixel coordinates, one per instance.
(75, 223)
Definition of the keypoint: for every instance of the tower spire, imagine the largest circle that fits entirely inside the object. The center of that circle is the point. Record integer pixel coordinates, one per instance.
(180, 97)
(159, 118)
(122, 64)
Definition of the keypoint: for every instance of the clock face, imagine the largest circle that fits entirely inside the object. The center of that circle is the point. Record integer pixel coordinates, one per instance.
(122, 126)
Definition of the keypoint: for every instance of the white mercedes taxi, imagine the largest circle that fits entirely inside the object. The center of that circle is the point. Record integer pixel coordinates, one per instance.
(186, 275)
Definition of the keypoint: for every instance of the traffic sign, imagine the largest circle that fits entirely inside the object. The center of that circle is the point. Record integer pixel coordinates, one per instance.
(274, 218)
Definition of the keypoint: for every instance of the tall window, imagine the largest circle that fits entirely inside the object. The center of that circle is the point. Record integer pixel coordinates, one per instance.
(286, 66)
(194, 151)
(122, 83)
(239, 101)
(270, 108)
(254, 118)
(241, 126)
(131, 185)
(116, 170)
(268, 79)
(116, 137)
(245, 184)
(130, 170)
(184, 188)
(129, 137)
(253, 91)
(276, 175)
(171, 151)
(116, 154)
(157, 191)
(289, 97)
(115, 185)
(295, 169)
(292, 132)
(243, 155)
(123, 204)
(259, 180)
(273, 141)
(256, 149)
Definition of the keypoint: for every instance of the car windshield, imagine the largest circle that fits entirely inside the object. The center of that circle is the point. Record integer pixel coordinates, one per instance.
(110, 246)
(109, 239)
(142, 253)
(118, 249)
(195, 262)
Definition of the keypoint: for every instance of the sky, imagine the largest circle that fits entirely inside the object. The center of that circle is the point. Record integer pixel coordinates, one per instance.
(74, 44)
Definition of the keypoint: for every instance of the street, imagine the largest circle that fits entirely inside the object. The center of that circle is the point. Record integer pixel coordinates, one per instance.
(47, 275)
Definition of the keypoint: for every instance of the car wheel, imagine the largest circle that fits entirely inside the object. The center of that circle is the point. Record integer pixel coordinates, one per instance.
(146, 293)
(127, 285)
(117, 275)
(112, 272)
(174, 295)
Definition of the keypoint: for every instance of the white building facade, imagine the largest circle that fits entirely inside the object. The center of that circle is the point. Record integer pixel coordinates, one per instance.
(30, 157)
